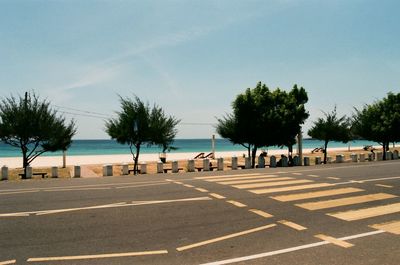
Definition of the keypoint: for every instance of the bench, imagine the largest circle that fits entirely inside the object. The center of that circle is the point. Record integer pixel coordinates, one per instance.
(239, 166)
(170, 169)
(132, 170)
(201, 168)
(43, 174)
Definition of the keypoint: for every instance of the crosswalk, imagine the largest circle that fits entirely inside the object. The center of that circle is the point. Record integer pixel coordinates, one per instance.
(313, 196)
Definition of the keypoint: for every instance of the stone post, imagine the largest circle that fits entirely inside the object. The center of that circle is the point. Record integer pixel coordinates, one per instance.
(261, 162)
(77, 171)
(234, 163)
(220, 164)
(388, 155)
(29, 172)
(317, 160)
(272, 161)
(125, 169)
(175, 168)
(328, 159)
(306, 161)
(206, 164)
(339, 159)
(160, 167)
(379, 156)
(362, 157)
(107, 170)
(190, 165)
(54, 172)
(354, 157)
(284, 161)
(4, 173)
(296, 161)
(371, 157)
(247, 162)
(143, 168)
(395, 154)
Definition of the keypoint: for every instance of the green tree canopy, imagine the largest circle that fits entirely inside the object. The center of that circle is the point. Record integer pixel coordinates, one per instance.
(30, 124)
(263, 118)
(380, 121)
(137, 124)
(331, 128)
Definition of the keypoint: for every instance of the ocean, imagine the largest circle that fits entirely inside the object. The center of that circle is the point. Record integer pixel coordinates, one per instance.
(111, 147)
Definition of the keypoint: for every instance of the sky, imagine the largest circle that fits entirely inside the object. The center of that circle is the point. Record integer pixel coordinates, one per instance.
(193, 57)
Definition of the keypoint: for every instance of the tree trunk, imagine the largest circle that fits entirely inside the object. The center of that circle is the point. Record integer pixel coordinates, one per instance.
(253, 156)
(325, 151)
(25, 163)
(385, 148)
(136, 166)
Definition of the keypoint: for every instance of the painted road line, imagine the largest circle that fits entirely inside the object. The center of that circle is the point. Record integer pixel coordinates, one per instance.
(335, 241)
(241, 178)
(315, 194)
(78, 189)
(201, 190)
(99, 256)
(237, 204)
(261, 213)
(334, 178)
(217, 196)
(178, 182)
(292, 188)
(144, 185)
(169, 180)
(367, 212)
(390, 227)
(246, 232)
(365, 180)
(242, 181)
(383, 185)
(288, 250)
(18, 192)
(271, 184)
(297, 174)
(6, 262)
(292, 225)
(313, 176)
(188, 186)
(227, 176)
(345, 201)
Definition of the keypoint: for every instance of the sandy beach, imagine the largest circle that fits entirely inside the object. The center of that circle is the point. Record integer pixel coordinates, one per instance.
(48, 161)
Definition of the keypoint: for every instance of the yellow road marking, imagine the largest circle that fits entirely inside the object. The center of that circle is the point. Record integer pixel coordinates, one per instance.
(227, 176)
(6, 262)
(271, 184)
(18, 192)
(237, 204)
(367, 212)
(188, 186)
(252, 180)
(383, 185)
(334, 241)
(335, 178)
(261, 213)
(100, 256)
(215, 195)
(300, 187)
(201, 190)
(391, 227)
(345, 201)
(292, 225)
(178, 182)
(241, 178)
(313, 176)
(225, 237)
(168, 180)
(297, 174)
(314, 194)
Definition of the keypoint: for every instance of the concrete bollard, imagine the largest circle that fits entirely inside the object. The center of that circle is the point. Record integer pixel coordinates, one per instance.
(125, 169)
(77, 171)
(206, 164)
(54, 172)
(318, 160)
(247, 163)
(234, 163)
(371, 156)
(29, 172)
(143, 168)
(190, 165)
(296, 161)
(4, 173)
(261, 162)
(107, 170)
(362, 157)
(284, 161)
(160, 167)
(354, 157)
(339, 159)
(395, 155)
(272, 161)
(389, 155)
(174, 167)
(379, 156)
(306, 161)
(328, 159)
(220, 164)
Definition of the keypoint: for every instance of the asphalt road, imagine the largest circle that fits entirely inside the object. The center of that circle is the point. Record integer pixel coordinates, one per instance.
(330, 214)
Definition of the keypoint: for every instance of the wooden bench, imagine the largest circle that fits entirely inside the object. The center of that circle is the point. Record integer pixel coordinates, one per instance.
(201, 168)
(170, 169)
(43, 174)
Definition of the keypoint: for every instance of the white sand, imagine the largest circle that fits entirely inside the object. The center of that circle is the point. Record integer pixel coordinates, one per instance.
(48, 161)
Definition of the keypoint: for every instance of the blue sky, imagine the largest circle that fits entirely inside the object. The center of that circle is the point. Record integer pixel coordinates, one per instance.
(193, 57)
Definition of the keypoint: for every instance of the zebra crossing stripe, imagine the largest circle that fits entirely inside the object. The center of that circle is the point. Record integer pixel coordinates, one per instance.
(291, 188)
(390, 227)
(253, 180)
(271, 184)
(367, 212)
(227, 176)
(241, 178)
(315, 194)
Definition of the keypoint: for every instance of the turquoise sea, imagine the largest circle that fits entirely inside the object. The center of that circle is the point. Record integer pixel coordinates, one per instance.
(110, 147)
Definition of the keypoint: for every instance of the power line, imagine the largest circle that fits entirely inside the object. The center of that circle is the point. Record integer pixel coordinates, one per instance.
(84, 111)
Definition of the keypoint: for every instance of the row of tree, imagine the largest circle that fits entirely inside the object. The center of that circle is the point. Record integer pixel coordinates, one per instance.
(261, 118)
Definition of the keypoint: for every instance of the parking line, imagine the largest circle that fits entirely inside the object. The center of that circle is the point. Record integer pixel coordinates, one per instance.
(383, 185)
(188, 186)
(334, 178)
(313, 176)
(201, 190)
(367, 212)
(291, 188)
(6, 262)
(261, 213)
(206, 242)
(292, 225)
(217, 196)
(100, 256)
(390, 227)
(335, 241)
(314, 194)
(237, 204)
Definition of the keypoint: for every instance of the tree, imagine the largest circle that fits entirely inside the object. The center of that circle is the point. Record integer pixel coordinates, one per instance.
(379, 122)
(138, 124)
(332, 128)
(31, 125)
(263, 118)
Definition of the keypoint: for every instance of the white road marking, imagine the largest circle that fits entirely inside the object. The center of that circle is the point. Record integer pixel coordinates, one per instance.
(365, 180)
(288, 250)
(144, 185)
(100, 256)
(228, 176)
(18, 192)
(6, 262)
